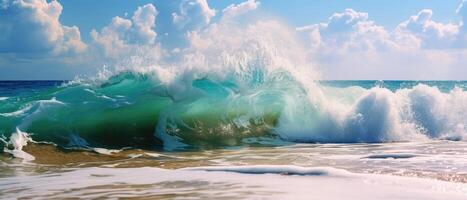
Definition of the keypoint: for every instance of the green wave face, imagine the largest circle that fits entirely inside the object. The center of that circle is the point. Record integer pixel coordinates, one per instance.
(137, 110)
(255, 108)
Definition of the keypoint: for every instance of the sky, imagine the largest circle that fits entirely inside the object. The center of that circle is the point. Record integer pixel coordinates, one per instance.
(365, 39)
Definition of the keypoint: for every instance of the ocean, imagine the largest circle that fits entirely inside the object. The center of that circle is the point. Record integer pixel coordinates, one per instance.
(131, 135)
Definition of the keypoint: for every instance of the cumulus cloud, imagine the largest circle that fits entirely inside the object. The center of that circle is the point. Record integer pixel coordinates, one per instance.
(193, 14)
(239, 9)
(144, 20)
(33, 26)
(194, 17)
(349, 30)
(354, 30)
(431, 34)
(123, 34)
(350, 43)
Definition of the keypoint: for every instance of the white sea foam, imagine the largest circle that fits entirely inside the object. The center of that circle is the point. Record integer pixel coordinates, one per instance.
(19, 139)
(105, 151)
(276, 169)
(392, 156)
(137, 182)
(17, 113)
(15, 145)
(35, 106)
(378, 115)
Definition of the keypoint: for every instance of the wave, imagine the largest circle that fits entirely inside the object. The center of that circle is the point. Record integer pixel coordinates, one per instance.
(254, 87)
(138, 110)
(379, 115)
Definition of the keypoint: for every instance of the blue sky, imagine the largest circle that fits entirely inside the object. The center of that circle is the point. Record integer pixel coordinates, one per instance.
(393, 39)
(89, 14)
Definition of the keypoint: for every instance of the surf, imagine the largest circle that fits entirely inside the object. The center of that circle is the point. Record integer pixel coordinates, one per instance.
(136, 110)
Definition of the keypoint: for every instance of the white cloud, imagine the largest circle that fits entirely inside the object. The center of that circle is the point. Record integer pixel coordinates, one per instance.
(431, 34)
(144, 20)
(346, 21)
(350, 45)
(349, 30)
(112, 37)
(33, 26)
(193, 14)
(239, 9)
(122, 34)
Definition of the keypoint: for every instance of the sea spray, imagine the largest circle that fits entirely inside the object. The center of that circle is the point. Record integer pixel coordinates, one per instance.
(379, 115)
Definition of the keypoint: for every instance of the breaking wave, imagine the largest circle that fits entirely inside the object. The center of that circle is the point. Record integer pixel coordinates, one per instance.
(225, 92)
(138, 110)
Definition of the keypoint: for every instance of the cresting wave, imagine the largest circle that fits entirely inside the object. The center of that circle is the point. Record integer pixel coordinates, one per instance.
(137, 110)
(248, 85)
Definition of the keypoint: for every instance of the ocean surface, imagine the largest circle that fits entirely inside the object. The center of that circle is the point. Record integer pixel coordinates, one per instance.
(131, 135)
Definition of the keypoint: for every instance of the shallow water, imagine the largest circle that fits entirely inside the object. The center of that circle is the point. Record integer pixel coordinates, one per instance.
(435, 170)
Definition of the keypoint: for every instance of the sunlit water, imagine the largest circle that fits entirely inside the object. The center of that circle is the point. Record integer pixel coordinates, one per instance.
(440, 168)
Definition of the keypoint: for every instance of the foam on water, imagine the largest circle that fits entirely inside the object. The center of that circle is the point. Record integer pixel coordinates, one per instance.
(275, 169)
(392, 155)
(379, 115)
(33, 107)
(15, 145)
(106, 151)
(157, 183)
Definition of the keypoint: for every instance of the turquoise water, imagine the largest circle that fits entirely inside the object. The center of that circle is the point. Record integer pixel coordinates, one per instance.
(394, 85)
(136, 110)
(133, 135)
